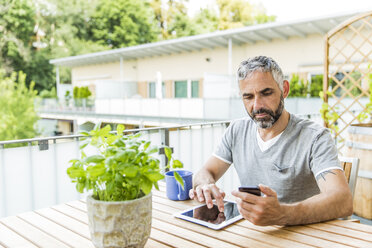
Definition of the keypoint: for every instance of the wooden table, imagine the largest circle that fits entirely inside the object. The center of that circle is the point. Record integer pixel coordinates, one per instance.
(66, 226)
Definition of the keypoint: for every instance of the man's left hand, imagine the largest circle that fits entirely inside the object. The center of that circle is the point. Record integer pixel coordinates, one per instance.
(260, 210)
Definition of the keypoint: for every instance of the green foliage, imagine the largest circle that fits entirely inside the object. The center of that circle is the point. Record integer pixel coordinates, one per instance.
(48, 93)
(121, 23)
(124, 167)
(297, 87)
(240, 13)
(33, 32)
(330, 117)
(81, 92)
(17, 112)
(316, 85)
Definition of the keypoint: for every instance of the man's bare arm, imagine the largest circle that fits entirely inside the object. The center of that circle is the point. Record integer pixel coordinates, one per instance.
(213, 170)
(334, 201)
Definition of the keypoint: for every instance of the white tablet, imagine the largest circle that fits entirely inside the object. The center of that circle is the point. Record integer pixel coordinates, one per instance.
(212, 218)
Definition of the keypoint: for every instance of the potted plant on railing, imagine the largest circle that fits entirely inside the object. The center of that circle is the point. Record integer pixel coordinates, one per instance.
(119, 176)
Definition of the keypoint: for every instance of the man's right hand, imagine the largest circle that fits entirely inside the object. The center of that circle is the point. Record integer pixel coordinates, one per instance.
(206, 193)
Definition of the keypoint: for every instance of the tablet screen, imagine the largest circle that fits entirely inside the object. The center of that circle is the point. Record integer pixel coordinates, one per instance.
(213, 215)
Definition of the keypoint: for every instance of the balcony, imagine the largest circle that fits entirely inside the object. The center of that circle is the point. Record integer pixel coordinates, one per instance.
(34, 176)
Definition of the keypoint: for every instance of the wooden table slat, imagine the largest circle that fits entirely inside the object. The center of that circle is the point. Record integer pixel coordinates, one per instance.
(55, 230)
(190, 235)
(9, 238)
(65, 221)
(155, 244)
(72, 212)
(352, 225)
(279, 231)
(337, 238)
(171, 240)
(342, 230)
(78, 205)
(31, 233)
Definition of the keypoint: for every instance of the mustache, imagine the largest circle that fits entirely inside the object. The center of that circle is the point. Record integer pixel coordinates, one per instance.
(262, 111)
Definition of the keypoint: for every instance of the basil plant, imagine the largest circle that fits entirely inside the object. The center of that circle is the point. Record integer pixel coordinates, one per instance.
(124, 167)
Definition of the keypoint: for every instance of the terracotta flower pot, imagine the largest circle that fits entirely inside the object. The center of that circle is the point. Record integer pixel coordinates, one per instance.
(120, 224)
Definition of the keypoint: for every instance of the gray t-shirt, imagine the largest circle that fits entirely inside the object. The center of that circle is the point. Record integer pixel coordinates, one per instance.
(303, 151)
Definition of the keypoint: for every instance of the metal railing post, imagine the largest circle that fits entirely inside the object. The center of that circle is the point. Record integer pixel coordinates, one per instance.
(164, 139)
(56, 182)
(3, 183)
(31, 166)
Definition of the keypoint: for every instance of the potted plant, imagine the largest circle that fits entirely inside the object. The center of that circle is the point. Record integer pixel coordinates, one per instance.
(119, 177)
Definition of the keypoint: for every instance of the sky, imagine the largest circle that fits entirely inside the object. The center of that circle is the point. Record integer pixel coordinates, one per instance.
(288, 10)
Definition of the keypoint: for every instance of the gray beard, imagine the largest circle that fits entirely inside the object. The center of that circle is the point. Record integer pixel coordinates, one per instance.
(270, 120)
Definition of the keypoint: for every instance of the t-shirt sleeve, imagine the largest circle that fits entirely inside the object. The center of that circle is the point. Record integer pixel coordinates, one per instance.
(223, 150)
(324, 155)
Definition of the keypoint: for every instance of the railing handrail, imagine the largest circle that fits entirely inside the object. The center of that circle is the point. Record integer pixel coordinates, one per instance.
(77, 136)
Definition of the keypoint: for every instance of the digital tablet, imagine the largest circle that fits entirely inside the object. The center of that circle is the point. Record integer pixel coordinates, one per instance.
(212, 218)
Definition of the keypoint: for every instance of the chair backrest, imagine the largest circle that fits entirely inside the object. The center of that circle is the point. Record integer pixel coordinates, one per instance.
(351, 167)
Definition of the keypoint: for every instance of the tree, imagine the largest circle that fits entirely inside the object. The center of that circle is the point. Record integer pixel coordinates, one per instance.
(240, 13)
(17, 112)
(16, 33)
(171, 17)
(122, 23)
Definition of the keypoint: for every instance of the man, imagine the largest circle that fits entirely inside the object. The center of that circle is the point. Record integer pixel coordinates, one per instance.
(294, 161)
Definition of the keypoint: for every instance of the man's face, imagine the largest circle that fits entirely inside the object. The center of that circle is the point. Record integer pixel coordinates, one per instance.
(262, 98)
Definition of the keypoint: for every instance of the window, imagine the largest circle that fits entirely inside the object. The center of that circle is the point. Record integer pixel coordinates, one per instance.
(152, 89)
(194, 89)
(180, 89)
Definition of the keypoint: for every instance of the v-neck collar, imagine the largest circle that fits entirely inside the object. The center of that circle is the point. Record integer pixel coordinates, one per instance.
(283, 134)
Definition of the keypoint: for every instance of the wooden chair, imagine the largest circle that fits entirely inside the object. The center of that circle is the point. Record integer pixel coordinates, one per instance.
(351, 167)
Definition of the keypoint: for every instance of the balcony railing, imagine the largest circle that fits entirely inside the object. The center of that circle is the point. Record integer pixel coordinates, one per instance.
(34, 176)
(198, 109)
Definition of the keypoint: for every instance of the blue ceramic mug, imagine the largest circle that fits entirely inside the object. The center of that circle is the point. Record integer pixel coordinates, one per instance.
(174, 189)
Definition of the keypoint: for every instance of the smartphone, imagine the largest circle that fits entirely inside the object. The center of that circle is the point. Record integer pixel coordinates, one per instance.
(255, 190)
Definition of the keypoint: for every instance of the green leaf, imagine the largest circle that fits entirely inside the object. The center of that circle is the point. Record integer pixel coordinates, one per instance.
(84, 144)
(85, 133)
(111, 139)
(145, 185)
(121, 156)
(119, 130)
(177, 164)
(179, 179)
(146, 145)
(94, 159)
(153, 150)
(75, 172)
(119, 143)
(168, 152)
(95, 171)
(154, 176)
(130, 171)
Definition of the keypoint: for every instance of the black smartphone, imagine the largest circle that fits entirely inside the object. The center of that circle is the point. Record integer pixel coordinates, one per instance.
(255, 190)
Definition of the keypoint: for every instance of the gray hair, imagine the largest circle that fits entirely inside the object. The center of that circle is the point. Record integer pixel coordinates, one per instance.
(262, 64)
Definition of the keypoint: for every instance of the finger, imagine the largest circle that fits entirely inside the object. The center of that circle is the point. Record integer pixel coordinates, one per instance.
(223, 193)
(191, 193)
(207, 196)
(218, 194)
(267, 190)
(250, 198)
(199, 194)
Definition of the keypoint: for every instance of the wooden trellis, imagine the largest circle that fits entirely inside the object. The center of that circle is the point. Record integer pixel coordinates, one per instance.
(348, 63)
